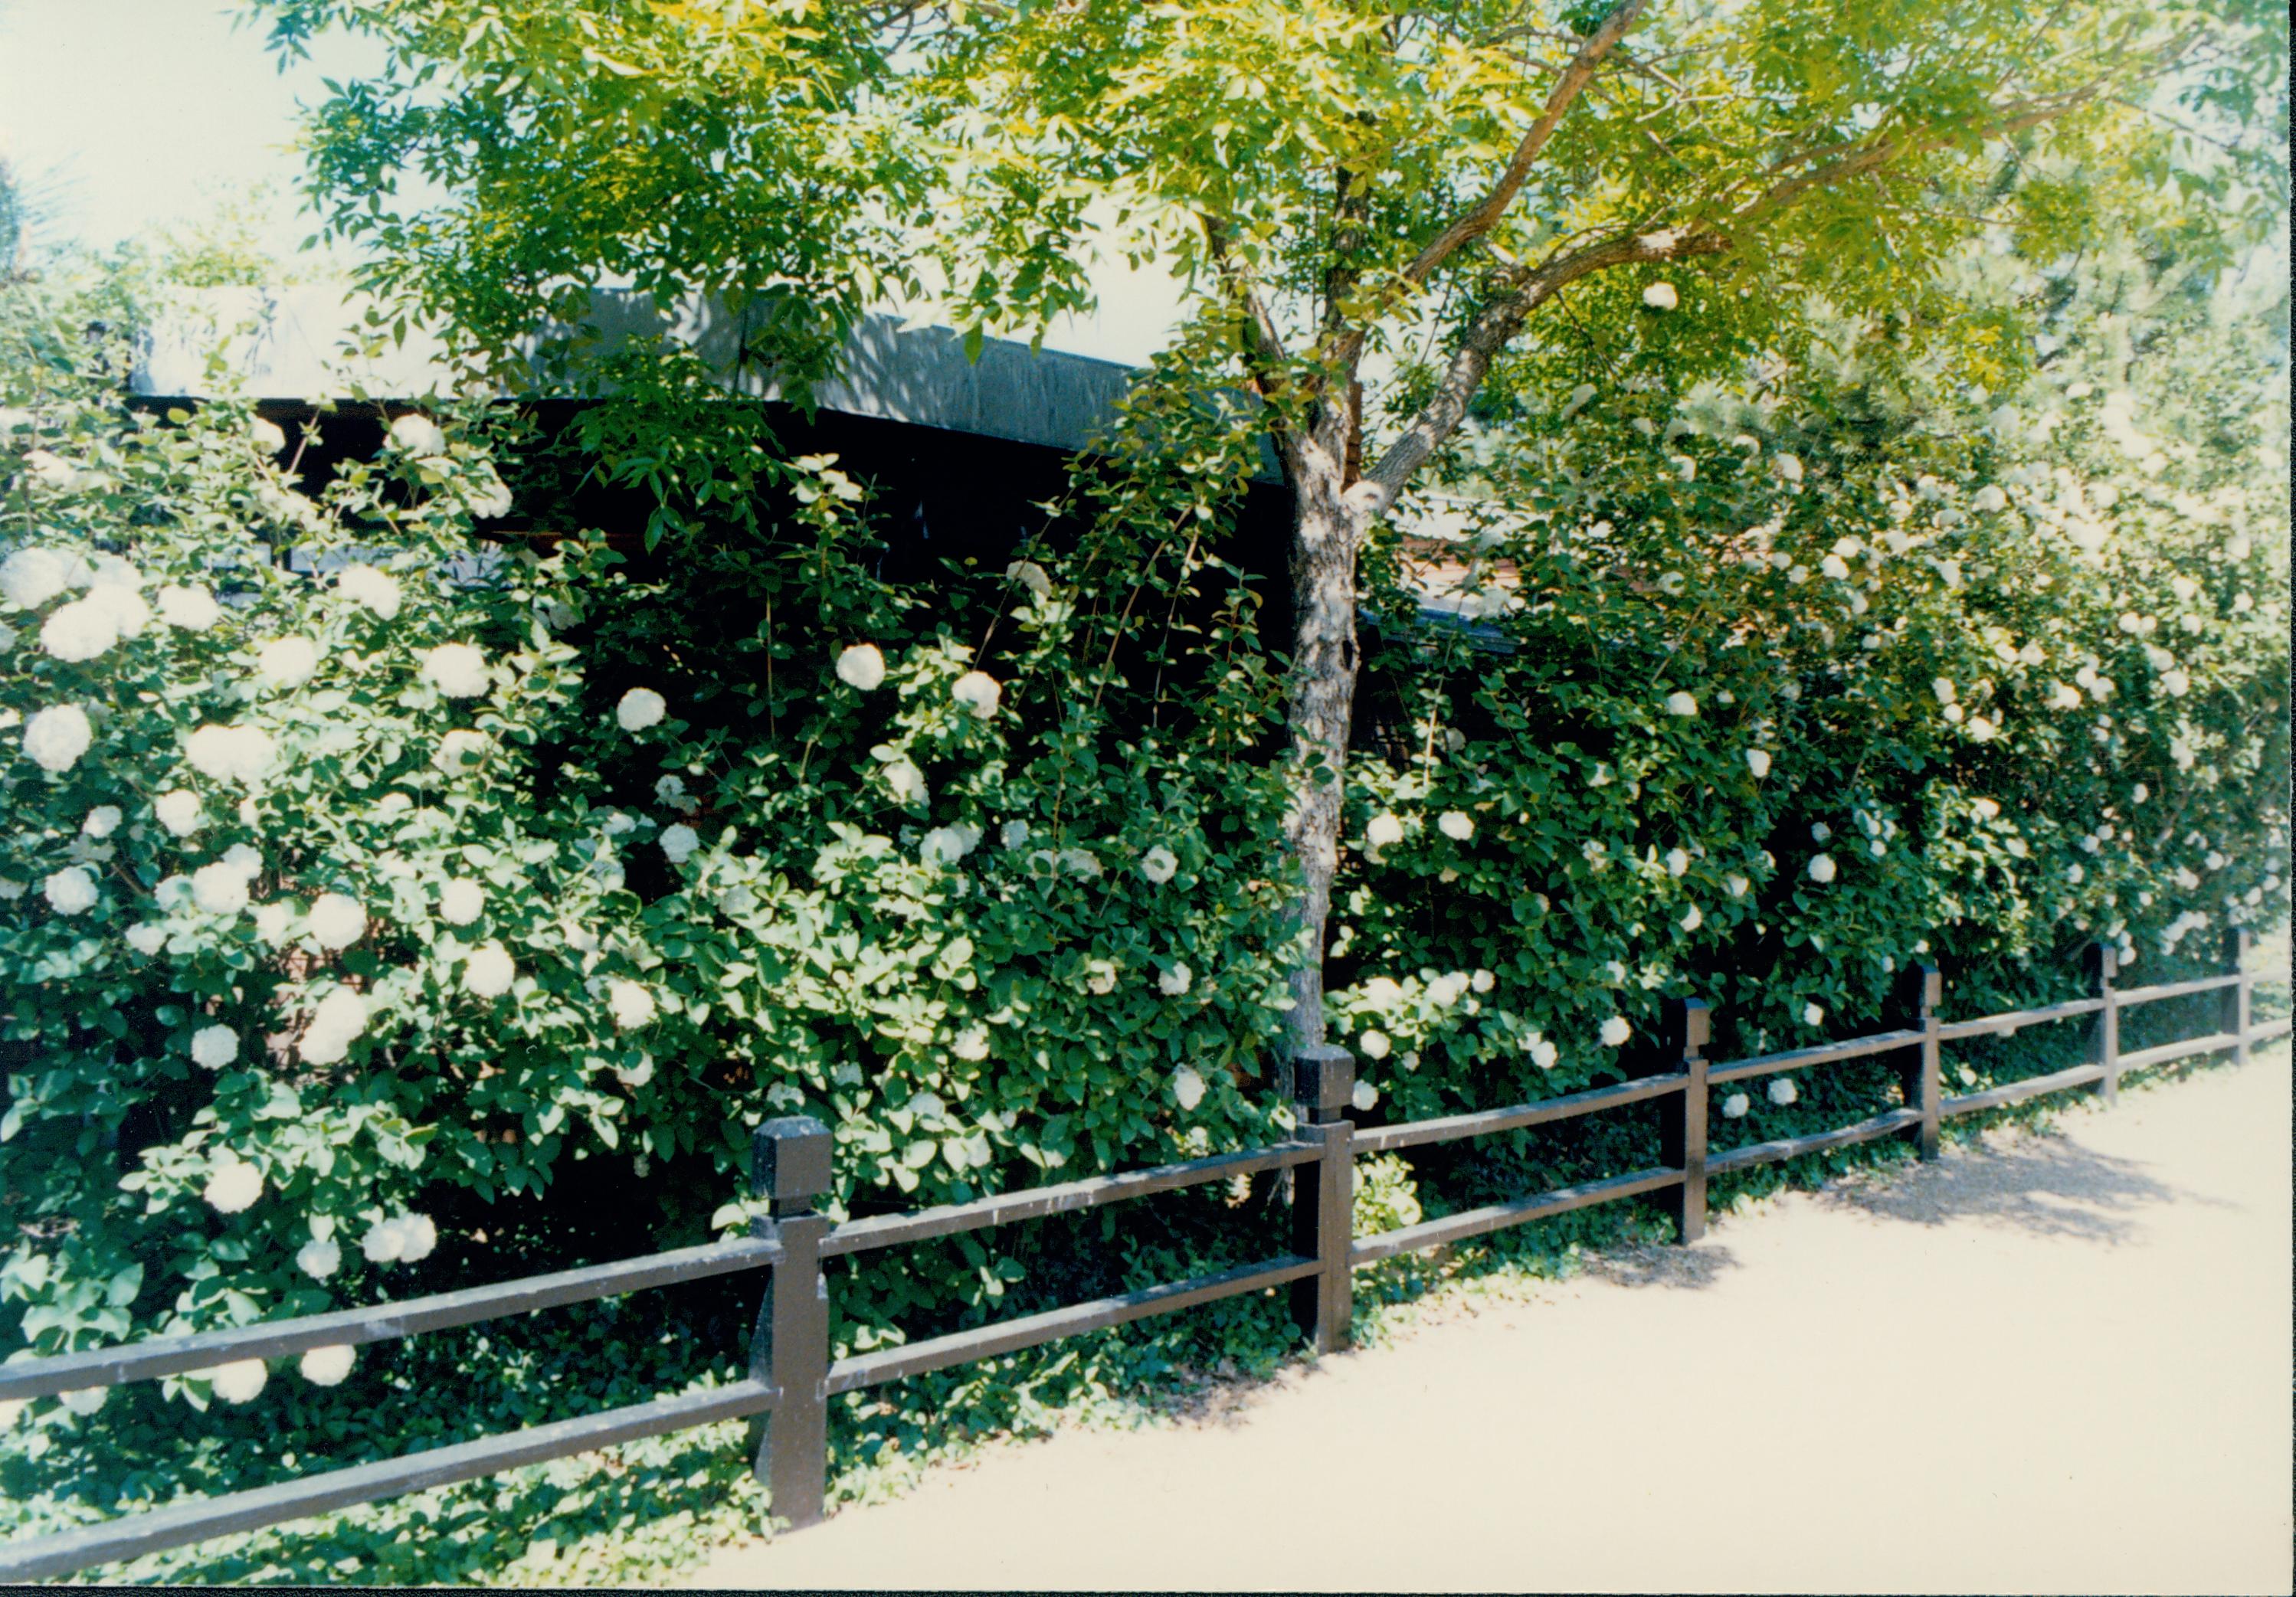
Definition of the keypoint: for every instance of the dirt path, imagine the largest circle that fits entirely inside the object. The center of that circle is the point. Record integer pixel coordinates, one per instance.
(2059, 1364)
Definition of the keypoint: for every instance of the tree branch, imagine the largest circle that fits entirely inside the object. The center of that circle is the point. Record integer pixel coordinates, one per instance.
(1490, 333)
(1484, 216)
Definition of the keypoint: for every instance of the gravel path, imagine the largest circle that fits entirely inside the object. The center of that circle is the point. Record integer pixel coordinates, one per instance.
(2058, 1364)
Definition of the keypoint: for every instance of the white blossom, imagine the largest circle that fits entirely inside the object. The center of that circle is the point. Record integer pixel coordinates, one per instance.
(1737, 885)
(1364, 1098)
(640, 709)
(489, 970)
(328, 1367)
(1788, 466)
(1616, 1031)
(1030, 575)
(1982, 730)
(1384, 831)
(1455, 824)
(1158, 864)
(678, 842)
(1176, 981)
(219, 889)
(633, 1005)
(1783, 1091)
(905, 782)
(375, 590)
(1659, 296)
(146, 938)
(1758, 761)
(319, 1259)
(459, 750)
(457, 670)
(1822, 868)
(1679, 703)
(337, 920)
(1014, 834)
(1834, 566)
(460, 902)
(30, 577)
(970, 1044)
(214, 1046)
(861, 667)
(240, 1381)
(1100, 977)
(239, 754)
(71, 891)
(84, 1401)
(1543, 1053)
(1813, 1014)
(81, 630)
(102, 821)
(1187, 1088)
(55, 738)
(335, 1024)
(1374, 1045)
(1735, 1107)
(232, 1186)
(1692, 919)
(977, 692)
(418, 434)
(287, 662)
(189, 608)
(1677, 861)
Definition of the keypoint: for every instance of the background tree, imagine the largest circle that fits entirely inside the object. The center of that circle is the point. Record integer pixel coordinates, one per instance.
(1382, 206)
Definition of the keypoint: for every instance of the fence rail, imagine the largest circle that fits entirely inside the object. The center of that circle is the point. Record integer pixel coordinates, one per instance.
(792, 1376)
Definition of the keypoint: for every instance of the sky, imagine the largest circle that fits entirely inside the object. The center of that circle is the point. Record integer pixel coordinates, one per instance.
(137, 115)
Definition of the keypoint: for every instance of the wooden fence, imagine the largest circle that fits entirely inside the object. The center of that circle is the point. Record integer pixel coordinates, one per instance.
(791, 1375)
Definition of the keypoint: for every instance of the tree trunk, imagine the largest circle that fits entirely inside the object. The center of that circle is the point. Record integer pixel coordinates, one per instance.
(1325, 531)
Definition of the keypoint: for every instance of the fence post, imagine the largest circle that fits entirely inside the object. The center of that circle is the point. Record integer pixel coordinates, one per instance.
(1921, 989)
(1323, 1206)
(1685, 1026)
(2234, 999)
(2104, 1032)
(789, 1166)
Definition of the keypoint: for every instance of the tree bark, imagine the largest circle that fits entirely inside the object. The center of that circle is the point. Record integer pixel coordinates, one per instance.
(1326, 535)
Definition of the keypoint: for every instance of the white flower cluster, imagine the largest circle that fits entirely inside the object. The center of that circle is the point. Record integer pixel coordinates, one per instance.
(232, 1184)
(55, 738)
(337, 1021)
(640, 709)
(457, 670)
(240, 754)
(403, 1239)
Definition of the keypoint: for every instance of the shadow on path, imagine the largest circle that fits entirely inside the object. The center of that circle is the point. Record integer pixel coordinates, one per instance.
(2049, 1185)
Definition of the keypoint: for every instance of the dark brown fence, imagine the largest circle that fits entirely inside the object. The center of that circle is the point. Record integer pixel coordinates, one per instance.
(792, 1376)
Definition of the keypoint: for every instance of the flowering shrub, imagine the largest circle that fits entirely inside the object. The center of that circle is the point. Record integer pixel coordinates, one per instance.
(383, 909)
(1770, 693)
(343, 910)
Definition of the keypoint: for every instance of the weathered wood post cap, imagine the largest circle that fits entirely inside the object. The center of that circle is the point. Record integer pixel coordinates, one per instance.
(1924, 987)
(789, 1162)
(1689, 1024)
(2103, 962)
(1323, 1080)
